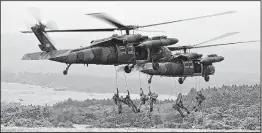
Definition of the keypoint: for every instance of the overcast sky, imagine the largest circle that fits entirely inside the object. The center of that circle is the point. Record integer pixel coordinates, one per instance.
(15, 15)
(69, 15)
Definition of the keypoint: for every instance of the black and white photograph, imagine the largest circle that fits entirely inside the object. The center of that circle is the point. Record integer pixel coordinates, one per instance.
(130, 66)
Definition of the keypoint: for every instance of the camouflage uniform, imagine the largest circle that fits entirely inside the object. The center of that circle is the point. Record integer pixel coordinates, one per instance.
(143, 99)
(118, 101)
(200, 98)
(129, 102)
(152, 97)
(179, 105)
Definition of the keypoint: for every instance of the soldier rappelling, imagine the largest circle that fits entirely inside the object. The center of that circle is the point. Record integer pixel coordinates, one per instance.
(152, 99)
(143, 99)
(179, 105)
(117, 101)
(127, 100)
(200, 98)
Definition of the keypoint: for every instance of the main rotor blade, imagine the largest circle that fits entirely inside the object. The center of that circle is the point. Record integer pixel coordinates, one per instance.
(26, 31)
(219, 37)
(105, 17)
(225, 44)
(224, 13)
(149, 30)
(82, 30)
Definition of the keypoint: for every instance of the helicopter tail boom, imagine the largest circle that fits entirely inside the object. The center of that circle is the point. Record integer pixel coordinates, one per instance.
(36, 56)
(56, 54)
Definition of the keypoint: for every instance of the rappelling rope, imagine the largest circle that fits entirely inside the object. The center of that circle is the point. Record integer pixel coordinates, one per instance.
(116, 78)
(196, 103)
(199, 83)
(125, 80)
(196, 83)
(174, 89)
(139, 79)
(148, 82)
(182, 97)
(118, 94)
(201, 109)
(180, 88)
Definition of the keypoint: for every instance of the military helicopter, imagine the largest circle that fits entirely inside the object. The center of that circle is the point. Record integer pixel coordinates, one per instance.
(186, 64)
(115, 50)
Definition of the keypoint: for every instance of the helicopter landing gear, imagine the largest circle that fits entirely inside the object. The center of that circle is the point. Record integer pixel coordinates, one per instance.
(66, 71)
(181, 80)
(155, 66)
(206, 77)
(150, 79)
(128, 69)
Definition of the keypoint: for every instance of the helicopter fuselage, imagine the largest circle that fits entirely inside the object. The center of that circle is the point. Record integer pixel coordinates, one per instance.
(113, 55)
(185, 68)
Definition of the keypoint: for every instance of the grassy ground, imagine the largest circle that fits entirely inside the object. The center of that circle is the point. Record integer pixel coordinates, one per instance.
(226, 108)
(83, 129)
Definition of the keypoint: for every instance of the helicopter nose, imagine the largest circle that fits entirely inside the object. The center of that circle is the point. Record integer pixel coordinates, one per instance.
(173, 40)
(221, 58)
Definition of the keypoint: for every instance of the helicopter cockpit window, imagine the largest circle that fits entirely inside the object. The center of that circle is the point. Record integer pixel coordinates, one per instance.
(122, 49)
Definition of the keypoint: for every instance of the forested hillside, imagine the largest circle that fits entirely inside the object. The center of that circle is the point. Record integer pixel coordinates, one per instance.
(226, 107)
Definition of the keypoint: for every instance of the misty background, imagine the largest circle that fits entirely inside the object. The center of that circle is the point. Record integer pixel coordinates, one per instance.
(241, 64)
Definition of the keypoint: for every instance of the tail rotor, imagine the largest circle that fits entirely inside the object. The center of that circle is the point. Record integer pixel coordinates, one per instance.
(39, 30)
(36, 14)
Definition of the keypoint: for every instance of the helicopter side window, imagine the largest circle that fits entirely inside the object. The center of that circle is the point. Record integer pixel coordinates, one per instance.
(190, 64)
(122, 49)
(130, 49)
(186, 64)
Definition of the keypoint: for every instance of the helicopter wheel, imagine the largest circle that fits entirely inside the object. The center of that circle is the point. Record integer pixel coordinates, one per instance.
(150, 79)
(65, 72)
(127, 69)
(180, 80)
(206, 78)
(155, 66)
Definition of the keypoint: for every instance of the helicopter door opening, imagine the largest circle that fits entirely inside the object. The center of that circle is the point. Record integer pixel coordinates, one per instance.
(197, 68)
(141, 53)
